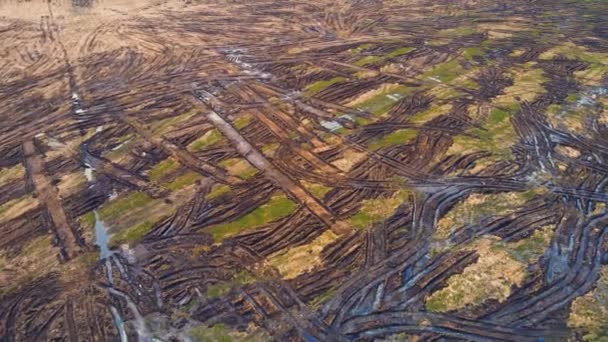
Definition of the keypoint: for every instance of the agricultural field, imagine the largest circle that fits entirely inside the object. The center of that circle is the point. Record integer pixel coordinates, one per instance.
(323, 170)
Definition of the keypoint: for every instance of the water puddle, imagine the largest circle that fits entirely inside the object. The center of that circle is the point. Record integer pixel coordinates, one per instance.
(102, 240)
(101, 237)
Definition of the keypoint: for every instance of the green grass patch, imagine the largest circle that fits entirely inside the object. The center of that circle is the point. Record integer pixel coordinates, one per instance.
(209, 138)
(425, 116)
(401, 136)
(445, 72)
(322, 298)
(399, 52)
(217, 190)
(382, 102)
(121, 147)
(377, 210)
(133, 234)
(215, 333)
(242, 121)
(184, 180)
(87, 221)
(457, 32)
(589, 313)
(360, 48)
(440, 301)
(530, 249)
(123, 204)
(368, 60)
(222, 333)
(479, 206)
(574, 51)
(239, 167)
(573, 97)
(318, 190)
(158, 171)
(472, 52)
(218, 290)
(9, 174)
(278, 207)
(162, 125)
(221, 289)
(316, 87)
(498, 136)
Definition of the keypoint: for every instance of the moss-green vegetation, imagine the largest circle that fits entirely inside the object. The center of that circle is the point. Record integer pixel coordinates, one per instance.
(478, 206)
(322, 298)
(360, 48)
(572, 97)
(17, 207)
(318, 190)
(593, 74)
(184, 180)
(425, 116)
(400, 52)
(9, 174)
(472, 52)
(123, 204)
(571, 50)
(217, 190)
(87, 221)
(164, 124)
(278, 207)
(239, 167)
(221, 289)
(133, 234)
(368, 60)
(377, 210)
(215, 333)
(318, 86)
(458, 32)
(243, 278)
(445, 72)
(491, 277)
(218, 290)
(269, 149)
(120, 146)
(382, 101)
(589, 313)
(531, 248)
(401, 136)
(222, 333)
(298, 260)
(158, 171)
(497, 136)
(37, 258)
(209, 138)
(242, 121)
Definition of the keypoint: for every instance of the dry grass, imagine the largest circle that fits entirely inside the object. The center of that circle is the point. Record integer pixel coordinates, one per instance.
(590, 312)
(10, 174)
(301, 259)
(491, 277)
(70, 183)
(350, 159)
(37, 258)
(17, 207)
(477, 206)
(371, 94)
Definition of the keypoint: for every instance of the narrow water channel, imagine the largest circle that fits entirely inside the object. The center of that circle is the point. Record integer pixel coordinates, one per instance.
(102, 240)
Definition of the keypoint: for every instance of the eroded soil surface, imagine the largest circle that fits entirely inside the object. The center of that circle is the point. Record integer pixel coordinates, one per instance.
(303, 170)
